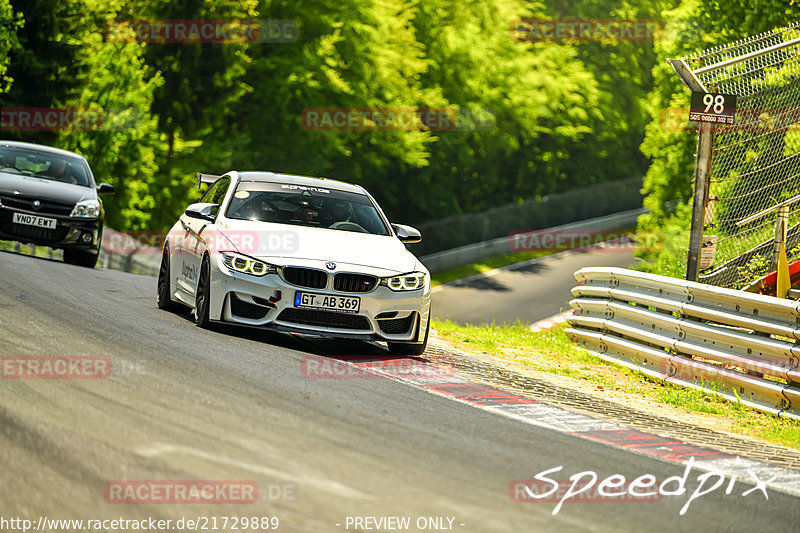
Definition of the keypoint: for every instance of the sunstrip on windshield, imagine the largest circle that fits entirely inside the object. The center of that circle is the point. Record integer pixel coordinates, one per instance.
(304, 188)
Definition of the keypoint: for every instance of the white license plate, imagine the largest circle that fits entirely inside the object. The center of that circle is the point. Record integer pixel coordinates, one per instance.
(33, 220)
(342, 304)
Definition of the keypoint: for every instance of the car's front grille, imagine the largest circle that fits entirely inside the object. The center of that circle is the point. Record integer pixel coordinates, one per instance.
(245, 309)
(345, 282)
(46, 207)
(326, 319)
(40, 235)
(397, 326)
(305, 277)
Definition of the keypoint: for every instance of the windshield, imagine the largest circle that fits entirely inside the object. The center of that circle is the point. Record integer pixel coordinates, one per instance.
(313, 207)
(45, 165)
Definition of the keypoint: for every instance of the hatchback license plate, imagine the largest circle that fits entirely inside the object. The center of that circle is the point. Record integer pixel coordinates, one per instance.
(327, 302)
(33, 220)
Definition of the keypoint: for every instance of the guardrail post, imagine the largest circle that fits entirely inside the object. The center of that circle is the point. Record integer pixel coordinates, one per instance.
(781, 228)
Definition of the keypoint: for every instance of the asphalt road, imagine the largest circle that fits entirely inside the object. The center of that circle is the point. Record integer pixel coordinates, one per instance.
(528, 291)
(182, 403)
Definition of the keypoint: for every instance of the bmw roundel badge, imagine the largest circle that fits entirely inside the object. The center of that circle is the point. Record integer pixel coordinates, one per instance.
(330, 265)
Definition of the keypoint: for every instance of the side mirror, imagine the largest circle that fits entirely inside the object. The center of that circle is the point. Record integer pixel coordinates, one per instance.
(407, 234)
(105, 188)
(202, 211)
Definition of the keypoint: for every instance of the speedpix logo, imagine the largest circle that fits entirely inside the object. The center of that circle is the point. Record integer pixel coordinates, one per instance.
(585, 486)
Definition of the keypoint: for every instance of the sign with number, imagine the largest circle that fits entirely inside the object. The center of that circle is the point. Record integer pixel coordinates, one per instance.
(713, 107)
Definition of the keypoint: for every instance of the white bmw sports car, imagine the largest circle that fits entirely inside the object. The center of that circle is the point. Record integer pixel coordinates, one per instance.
(299, 254)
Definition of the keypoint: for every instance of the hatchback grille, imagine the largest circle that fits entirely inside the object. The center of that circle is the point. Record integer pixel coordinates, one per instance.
(354, 282)
(47, 207)
(397, 326)
(246, 309)
(305, 277)
(39, 235)
(326, 319)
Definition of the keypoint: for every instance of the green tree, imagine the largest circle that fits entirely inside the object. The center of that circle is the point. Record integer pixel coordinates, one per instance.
(64, 62)
(350, 54)
(200, 81)
(541, 96)
(10, 22)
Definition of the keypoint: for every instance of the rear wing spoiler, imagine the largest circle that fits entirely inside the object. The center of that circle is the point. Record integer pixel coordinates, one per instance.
(206, 178)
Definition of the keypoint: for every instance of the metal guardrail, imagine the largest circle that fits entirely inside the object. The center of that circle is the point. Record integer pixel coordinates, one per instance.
(128, 254)
(738, 345)
(134, 257)
(464, 255)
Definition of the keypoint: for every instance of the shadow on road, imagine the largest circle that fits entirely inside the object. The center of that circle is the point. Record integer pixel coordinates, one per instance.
(483, 284)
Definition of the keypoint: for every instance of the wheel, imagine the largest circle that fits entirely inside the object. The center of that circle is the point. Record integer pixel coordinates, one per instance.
(407, 348)
(163, 297)
(201, 302)
(80, 258)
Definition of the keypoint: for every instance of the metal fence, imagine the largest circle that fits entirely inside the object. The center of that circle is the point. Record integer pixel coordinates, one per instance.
(737, 345)
(754, 164)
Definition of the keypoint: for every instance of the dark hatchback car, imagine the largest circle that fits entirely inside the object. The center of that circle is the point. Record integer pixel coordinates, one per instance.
(49, 197)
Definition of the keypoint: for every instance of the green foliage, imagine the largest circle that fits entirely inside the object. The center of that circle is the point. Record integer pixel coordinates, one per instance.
(10, 22)
(670, 143)
(670, 140)
(79, 70)
(553, 116)
(756, 268)
(669, 259)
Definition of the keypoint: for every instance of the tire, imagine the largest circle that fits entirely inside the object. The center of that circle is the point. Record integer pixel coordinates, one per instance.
(201, 303)
(163, 296)
(407, 348)
(80, 258)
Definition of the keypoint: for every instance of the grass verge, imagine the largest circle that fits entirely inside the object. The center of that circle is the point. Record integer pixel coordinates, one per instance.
(551, 351)
(484, 266)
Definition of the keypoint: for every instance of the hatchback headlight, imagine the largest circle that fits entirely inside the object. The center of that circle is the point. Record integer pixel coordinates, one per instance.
(405, 282)
(248, 265)
(86, 209)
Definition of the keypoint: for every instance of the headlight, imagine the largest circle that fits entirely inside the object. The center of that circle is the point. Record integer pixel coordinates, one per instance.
(247, 265)
(86, 209)
(406, 282)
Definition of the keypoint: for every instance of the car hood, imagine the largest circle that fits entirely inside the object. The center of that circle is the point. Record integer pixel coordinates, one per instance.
(284, 244)
(41, 188)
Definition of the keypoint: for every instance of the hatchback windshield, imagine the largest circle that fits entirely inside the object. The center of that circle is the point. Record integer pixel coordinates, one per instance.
(44, 165)
(314, 207)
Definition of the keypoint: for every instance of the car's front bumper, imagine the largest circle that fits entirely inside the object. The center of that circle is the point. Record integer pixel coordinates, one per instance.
(70, 232)
(268, 302)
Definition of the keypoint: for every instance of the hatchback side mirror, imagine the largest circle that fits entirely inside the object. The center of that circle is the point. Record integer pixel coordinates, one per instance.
(105, 188)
